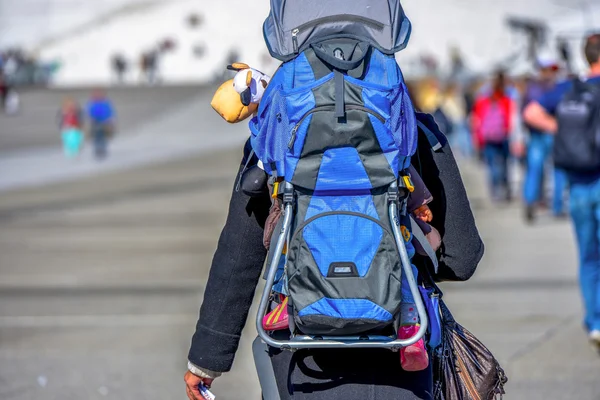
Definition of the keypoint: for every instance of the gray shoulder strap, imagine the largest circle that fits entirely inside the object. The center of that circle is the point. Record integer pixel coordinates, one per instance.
(420, 237)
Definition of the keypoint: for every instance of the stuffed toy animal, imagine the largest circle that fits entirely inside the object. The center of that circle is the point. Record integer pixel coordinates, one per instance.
(238, 98)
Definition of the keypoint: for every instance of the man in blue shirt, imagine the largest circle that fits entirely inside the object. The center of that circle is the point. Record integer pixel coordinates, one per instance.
(101, 115)
(585, 192)
(540, 147)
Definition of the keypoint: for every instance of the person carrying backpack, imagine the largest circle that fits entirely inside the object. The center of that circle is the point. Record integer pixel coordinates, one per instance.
(337, 134)
(492, 125)
(572, 113)
(539, 148)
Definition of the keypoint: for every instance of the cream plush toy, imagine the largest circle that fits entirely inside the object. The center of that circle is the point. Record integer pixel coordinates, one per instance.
(238, 98)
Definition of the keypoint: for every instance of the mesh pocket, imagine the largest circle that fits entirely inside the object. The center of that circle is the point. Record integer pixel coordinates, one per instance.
(271, 131)
(403, 122)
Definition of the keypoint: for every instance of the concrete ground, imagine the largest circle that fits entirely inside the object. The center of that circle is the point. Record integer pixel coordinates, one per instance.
(101, 278)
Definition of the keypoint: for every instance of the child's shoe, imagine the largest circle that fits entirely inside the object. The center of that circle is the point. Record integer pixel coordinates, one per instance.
(277, 319)
(414, 357)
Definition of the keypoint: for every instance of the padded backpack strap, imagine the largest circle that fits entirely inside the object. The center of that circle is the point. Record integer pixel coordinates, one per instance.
(420, 237)
(431, 137)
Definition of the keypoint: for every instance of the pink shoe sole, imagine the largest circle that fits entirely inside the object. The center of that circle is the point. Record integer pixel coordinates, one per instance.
(277, 319)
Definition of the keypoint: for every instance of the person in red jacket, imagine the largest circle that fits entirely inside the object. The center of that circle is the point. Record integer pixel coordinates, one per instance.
(492, 125)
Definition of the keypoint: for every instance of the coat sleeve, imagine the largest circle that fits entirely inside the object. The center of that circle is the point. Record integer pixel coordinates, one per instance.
(234, 275)
(462, 247)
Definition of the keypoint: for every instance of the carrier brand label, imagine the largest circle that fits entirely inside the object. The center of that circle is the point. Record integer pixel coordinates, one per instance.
(342, 270)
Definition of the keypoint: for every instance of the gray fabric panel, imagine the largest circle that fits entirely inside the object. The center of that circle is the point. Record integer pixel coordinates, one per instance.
(307, 285)
(387, 27)
(381, 205)
(320, 70)
(325, 133)
(302, 204)
(325, 94)
(306, 278)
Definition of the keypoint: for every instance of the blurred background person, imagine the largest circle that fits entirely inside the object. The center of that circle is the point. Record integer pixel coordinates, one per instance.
(102, 122)
(119, 67)
(9, 98)
(4, 89)
(149, 66)
(70, 123)
(539, 147)
(454, 108)
(492, 126)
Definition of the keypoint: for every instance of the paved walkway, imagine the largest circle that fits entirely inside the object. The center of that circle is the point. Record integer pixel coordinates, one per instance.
(190, 127)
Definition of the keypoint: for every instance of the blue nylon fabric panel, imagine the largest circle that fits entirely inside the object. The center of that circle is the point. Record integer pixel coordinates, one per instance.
(378, 100)
(410, 128)
(303, 74)
(343, 238)
(347, 308)
(362, 204)
(342, 168)
(270, 128)
(377, 70)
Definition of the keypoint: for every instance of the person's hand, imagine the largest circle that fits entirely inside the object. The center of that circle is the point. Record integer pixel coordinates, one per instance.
(192, 382)
(424, 213)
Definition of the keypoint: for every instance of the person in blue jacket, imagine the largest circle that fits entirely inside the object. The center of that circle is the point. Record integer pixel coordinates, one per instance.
(102, 118)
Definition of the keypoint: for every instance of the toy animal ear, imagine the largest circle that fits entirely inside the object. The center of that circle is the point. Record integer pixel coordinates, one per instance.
(238, 67)
(249, 78)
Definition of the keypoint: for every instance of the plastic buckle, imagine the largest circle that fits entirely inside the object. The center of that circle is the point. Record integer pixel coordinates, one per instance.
(275, 190)
(408, 183)
(288, 193)
(393, 194)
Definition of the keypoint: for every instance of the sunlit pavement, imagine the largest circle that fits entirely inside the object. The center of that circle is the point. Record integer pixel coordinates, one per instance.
(101, 278)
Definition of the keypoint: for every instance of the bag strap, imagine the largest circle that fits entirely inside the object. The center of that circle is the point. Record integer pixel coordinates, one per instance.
(420, 237)
(431, 137)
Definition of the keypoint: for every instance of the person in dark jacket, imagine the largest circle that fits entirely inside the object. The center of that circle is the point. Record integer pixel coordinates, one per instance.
(325, 374)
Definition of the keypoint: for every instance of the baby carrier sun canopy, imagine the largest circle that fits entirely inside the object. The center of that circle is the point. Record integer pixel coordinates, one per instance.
(293, 25)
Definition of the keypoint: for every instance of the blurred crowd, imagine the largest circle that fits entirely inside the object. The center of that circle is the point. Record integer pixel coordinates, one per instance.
(22, 68)
(482, 119)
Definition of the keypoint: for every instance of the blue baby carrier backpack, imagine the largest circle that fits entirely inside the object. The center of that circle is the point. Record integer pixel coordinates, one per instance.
(336, 130)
